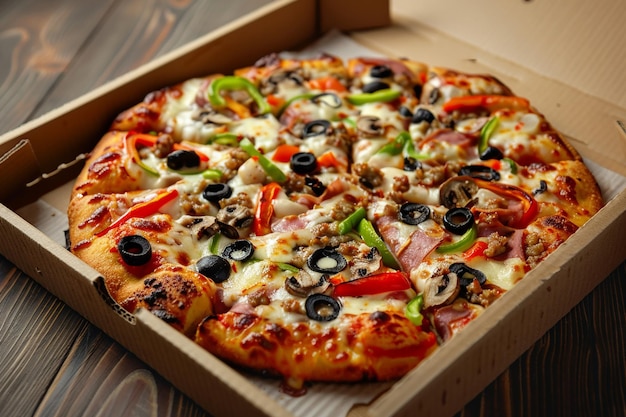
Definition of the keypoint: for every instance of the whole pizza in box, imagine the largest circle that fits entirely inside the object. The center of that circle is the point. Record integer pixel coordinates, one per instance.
(322, 220)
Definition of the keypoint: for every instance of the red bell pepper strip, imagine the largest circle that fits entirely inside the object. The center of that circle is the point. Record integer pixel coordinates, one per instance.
(373, 284)
(487, 102)
(265, 209)
(143, 209)
(284, 152)
(476, 250)
(531, 207)
(327, 83)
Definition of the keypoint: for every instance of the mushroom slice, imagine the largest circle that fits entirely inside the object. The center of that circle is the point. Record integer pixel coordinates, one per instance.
(304, 284)
(201, 226)
(441, 290)
(236, 215)
(369, 126)
(207, 116)
(369, 263)
(457, 192)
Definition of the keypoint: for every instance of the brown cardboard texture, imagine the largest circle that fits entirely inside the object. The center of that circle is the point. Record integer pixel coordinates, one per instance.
(425, 31)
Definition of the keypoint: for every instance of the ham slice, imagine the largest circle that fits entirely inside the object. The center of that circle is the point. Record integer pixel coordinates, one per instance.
(409, 254)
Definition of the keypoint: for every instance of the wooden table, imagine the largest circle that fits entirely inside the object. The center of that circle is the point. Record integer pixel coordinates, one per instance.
(53, 362)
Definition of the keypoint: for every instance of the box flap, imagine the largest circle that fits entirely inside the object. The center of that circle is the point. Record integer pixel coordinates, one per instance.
(578, 42)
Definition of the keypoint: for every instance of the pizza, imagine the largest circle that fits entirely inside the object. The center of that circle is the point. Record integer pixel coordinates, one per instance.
(318, 219)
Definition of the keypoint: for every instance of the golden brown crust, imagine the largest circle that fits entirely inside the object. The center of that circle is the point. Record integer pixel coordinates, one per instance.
(377, 346)
(106, 169)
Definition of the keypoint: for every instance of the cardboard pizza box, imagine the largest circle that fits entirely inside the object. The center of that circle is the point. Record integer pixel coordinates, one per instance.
(558, 59)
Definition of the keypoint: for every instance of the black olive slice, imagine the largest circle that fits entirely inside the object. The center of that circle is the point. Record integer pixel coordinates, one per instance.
(335, 103)
(214, 267)
(413, 213)
(423, 115)
(216, 192)
(327, 261)
(316, 185)
(411, 164)
(303, 163)
(135, 250)
(458, 220)
(374, 86)
(405, 112)
(181, 159)
(239, 250)
(316, 127)
(543, 187)
(491, 152)
(480, 171)
(380, 71)
(467, 274)
(321, 307)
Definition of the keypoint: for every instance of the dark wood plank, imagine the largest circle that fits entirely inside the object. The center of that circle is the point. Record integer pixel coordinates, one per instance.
(99, 377)
(38, 40)
(133, 33)
(36, 332)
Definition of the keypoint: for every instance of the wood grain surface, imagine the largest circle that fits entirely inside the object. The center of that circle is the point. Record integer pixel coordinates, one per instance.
(54, 363)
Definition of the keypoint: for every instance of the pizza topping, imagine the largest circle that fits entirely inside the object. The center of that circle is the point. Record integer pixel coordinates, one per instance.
(374, 86)
(369, 126)
(458, 220)
(143, 209)
(350, 222)
(232, 82)
(480, 171)
(327, 261)
(384, 95)
(303, 163)
(413, 310)
(457, 192)
(217, 191)
(321, 307)
(304, 284)
(373, 284)
(239, 250)
(182, 159)
(422, 114)
(371, 238)
(268, 166)
(413, 213)
(467, 275)
(380, 71)
(135, 250)
(441, 290)
(315, 128)
(463, 243)
(214, 267)
(265, 209)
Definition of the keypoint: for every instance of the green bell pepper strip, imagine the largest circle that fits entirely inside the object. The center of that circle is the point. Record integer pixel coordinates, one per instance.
(226, 138)
(212, 174)
(512, 165)
(413, 310)
(372, 239)
(268, 166)
(233, 82)
(287, 267)
(384, 95)
(464, 243)
(402, 143)
(486, 132)
(214, 246)
(347, 224)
